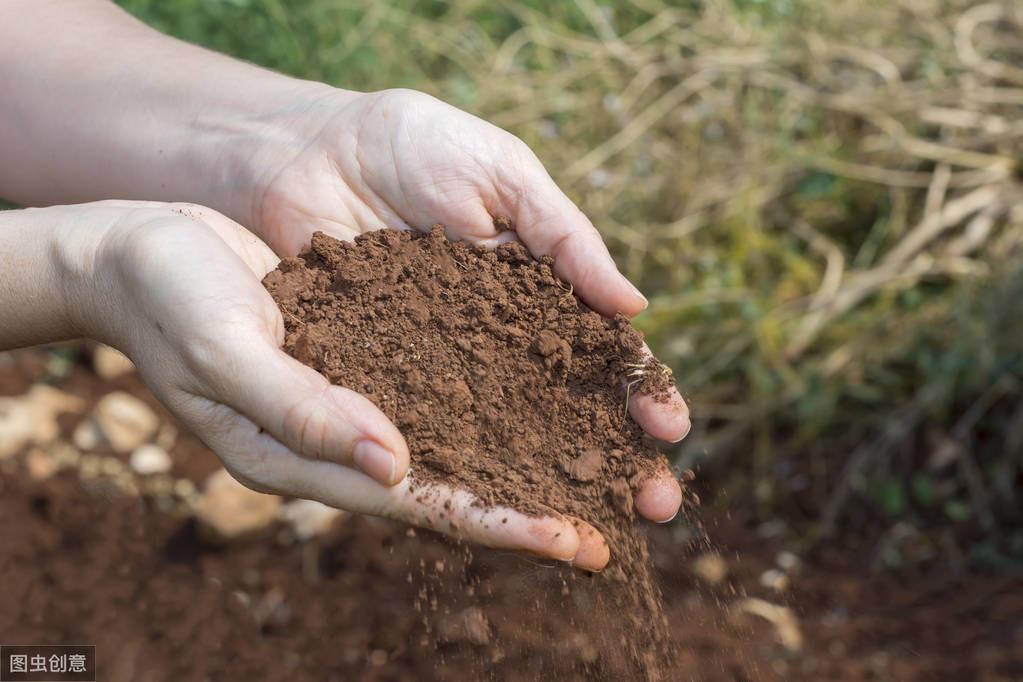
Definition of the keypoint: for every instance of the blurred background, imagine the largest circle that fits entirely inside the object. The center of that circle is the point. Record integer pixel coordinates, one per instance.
(822, 201)
(824, 204)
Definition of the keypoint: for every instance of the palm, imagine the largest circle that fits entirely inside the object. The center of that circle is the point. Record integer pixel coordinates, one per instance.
(197, 276)
(399, 159)
(396, 160)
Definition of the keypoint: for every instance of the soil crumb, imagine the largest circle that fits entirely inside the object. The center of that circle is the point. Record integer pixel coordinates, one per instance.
(503, 383)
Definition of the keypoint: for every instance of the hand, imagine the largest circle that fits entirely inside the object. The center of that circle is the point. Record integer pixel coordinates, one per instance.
(399, 158)
(177, 288)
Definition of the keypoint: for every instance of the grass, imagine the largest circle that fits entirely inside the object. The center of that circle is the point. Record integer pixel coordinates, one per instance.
(822, 199)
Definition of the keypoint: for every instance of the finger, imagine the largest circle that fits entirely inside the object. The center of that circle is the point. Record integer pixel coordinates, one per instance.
(440, 508)
(549, 223)
(243, 368)
(659, 497)
(457, 513)
(262, 463)
(663, 416)
(311, 417)
(256, 255)
(594, 552)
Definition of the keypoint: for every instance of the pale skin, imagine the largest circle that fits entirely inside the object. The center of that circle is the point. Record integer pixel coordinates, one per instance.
(106, 108)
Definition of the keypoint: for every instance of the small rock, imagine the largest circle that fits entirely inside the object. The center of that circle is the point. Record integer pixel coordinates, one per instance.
(40, 465)
(87, 435)
(54, 400)
(126, 421)
(309, 518)
(65, 454)
(111, 467)
(16, 426)
(711, 568)
(781, 617)
(774, 579)
(227, 510)
(167, 438)
(788, 561)
(110, 363)
(31, 419)
(185, 489)
(150, 459)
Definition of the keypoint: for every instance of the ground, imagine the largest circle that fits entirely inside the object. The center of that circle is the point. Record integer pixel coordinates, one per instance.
(82, 562)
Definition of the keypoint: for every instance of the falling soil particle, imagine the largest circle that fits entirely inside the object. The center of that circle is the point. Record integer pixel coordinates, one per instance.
(504, 384)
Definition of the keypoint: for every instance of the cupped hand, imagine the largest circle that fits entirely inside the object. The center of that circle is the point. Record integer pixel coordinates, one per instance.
(177, 288)
(400, 159)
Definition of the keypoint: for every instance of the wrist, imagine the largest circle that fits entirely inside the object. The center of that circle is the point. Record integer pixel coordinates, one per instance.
(49, 285)
(235, 154)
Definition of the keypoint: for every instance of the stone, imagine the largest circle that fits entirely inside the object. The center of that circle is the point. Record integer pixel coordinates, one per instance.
(711, 568)
(110, 363)
(31, 419)
(788, 562)
(228, 511)
(783, 619)
(40, 465)
(309, 518)
(53, 400)
(167, 437)
(87, 435)
(126, 421)
(149, 459)
(16, 428)
(774, 579)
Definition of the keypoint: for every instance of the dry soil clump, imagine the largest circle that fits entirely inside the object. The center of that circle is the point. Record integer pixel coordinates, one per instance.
(504, 383)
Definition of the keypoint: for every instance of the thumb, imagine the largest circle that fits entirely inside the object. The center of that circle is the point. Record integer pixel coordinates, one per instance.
(292, 402)
(311, 417)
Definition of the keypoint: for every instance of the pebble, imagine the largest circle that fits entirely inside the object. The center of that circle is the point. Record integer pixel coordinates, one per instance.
(185, 489)
(15, 426)
(64, 454)
(711, 568)
(150, 459)
(111, 466)
(53, 400)
(227, 510)
(126, 421)
(87, 435)
(31, 419)
(40, 465)
(167, 437)
(774, 579)
(309, 518)
(788, 561)
(110, 363)
(781, 617)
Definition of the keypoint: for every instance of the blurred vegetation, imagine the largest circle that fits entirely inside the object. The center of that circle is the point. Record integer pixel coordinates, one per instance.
(822, 198)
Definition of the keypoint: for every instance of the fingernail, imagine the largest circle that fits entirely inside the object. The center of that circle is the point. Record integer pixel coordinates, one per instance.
(670, 518)
(685, 431)
(636, 291)
(375, 461)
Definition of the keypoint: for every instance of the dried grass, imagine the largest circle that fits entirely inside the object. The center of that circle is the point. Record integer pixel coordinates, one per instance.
(821, 198)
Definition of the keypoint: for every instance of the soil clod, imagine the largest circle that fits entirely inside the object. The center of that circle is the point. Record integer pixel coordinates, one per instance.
(504, 384)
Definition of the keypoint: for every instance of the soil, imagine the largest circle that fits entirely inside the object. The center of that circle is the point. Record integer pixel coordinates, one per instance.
(81, 563)
(504, 384)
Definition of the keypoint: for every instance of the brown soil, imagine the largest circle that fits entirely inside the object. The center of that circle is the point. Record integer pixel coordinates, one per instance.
(80, 563)
(503, 383)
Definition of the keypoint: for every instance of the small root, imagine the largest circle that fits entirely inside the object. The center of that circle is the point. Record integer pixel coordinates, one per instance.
(637, 373)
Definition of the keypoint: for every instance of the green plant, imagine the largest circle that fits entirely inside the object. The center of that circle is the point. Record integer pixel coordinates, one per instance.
(822, 199)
